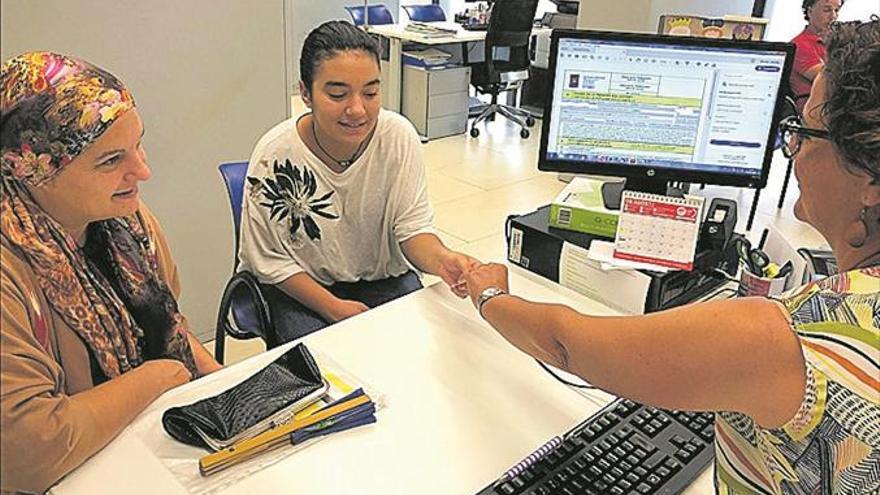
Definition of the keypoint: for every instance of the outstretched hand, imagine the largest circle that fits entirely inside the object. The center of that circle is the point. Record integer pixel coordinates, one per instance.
(483, 276)
(453, 268)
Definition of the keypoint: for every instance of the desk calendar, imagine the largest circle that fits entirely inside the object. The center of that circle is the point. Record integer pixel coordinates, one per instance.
(660, 230)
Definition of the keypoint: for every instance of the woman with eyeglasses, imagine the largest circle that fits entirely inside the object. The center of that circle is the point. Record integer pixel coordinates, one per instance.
(90, 331)
(795, 382)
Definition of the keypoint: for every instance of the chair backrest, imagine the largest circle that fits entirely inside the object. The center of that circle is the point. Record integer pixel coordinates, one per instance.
(510, 26)
(234, 174)
(379, 14)
(425, 13)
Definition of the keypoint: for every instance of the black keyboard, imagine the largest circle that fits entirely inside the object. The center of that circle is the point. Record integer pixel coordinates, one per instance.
(475, 27)
(626, 448)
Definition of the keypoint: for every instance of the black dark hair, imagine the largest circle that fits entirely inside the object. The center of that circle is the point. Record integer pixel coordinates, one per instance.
(326, 41)
(852, 94)
(806, 7)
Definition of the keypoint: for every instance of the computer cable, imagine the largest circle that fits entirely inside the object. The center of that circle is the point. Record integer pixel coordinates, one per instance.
(563, 380)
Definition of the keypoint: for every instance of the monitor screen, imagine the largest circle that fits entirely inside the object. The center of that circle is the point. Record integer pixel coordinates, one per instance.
(662, 108)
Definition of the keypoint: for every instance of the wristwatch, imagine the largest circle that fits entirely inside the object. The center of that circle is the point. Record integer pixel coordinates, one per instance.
(488, 293)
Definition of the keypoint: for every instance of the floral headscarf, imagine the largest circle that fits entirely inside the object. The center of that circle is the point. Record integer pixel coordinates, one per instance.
(52, 108)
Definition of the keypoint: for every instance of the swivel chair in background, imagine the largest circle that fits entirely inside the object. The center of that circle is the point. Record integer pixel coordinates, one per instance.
(425, 13)
(244, 313)
(506, 63)
(378, 15)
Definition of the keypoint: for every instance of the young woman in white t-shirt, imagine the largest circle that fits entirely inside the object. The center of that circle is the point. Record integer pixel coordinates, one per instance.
(336, 211)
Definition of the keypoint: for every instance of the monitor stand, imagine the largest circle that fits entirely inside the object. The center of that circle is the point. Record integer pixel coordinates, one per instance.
(612, 191)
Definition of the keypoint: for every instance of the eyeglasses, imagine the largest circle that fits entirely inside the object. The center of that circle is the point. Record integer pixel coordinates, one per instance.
(794, 132)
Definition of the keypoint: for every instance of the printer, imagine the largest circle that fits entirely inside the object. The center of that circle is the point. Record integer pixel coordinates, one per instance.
(560, 256)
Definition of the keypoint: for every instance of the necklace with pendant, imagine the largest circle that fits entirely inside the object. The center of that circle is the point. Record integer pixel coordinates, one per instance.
(342, 163)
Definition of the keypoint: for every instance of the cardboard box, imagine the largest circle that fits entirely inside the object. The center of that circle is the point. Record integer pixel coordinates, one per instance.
(579, 207)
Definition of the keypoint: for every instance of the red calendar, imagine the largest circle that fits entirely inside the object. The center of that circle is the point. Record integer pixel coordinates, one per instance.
(659, 230)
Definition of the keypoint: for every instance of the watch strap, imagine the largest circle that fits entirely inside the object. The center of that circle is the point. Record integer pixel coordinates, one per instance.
(487, 294)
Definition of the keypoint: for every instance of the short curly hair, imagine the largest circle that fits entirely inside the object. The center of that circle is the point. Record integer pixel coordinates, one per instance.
(852, 94)
(806, 7)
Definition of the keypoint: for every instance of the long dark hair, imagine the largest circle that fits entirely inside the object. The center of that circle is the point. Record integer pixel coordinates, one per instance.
(327, 40)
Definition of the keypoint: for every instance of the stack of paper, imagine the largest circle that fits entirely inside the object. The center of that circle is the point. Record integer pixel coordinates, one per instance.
(430, 57)
(429, 30)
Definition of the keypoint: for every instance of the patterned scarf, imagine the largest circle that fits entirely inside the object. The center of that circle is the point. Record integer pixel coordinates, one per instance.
(52, 107)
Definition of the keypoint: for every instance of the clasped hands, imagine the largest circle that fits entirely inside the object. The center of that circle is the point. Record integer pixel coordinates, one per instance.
(467, 276)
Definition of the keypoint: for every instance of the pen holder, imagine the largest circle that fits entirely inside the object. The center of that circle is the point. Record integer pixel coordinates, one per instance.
(753, 285)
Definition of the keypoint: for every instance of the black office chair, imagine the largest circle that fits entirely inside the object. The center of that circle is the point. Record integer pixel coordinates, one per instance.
(425, 13)
(243, 313)
(506, 63)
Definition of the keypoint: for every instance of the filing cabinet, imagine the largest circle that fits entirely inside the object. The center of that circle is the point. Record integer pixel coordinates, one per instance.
(436, 100)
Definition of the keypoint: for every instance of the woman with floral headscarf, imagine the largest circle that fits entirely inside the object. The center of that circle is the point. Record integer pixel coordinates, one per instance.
(91, 333)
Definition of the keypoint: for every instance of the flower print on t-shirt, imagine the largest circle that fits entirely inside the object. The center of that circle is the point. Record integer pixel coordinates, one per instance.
(292, 195)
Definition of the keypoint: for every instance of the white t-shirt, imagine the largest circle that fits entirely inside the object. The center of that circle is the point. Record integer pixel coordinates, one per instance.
(298, 215)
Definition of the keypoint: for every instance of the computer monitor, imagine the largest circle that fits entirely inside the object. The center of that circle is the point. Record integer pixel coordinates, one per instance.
(658, 109)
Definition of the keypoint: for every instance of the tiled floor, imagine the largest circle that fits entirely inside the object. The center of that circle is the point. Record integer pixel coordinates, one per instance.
(475, 183)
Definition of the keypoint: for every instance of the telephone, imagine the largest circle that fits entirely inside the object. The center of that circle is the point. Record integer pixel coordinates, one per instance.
(820, 262)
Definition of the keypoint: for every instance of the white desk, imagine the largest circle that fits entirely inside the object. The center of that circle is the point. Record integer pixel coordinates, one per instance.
(397, 35)
(463, 407)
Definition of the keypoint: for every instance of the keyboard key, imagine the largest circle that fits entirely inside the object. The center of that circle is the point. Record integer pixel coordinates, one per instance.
(684, 455)
(620, 451)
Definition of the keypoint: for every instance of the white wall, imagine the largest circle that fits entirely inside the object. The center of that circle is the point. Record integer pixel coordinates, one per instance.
(786, 19)
(643, 15)
(209, 78)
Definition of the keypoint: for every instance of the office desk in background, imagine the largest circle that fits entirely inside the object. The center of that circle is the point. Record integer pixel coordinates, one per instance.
(397, 35)
(463, 406)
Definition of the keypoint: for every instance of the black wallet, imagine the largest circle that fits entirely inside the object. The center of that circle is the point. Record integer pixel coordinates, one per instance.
(270, 397)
